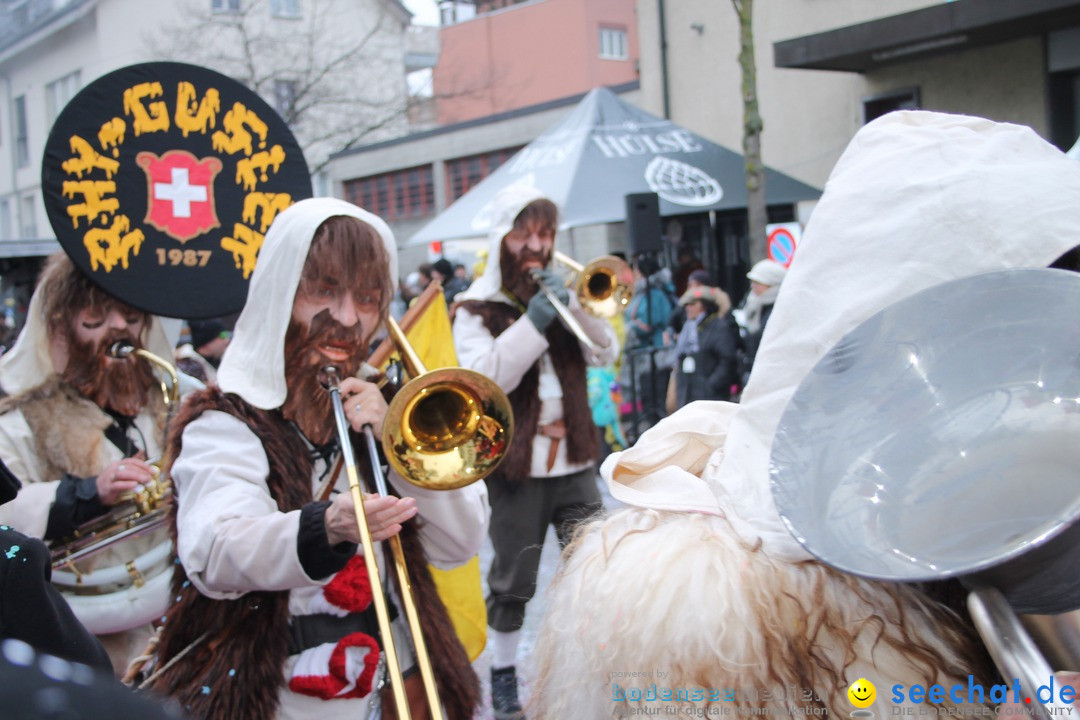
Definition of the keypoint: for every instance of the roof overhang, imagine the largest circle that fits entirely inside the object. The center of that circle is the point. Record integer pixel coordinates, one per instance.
(944, 28)
(28, 248)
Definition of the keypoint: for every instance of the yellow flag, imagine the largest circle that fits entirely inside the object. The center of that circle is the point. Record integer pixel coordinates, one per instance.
(430, 335)
(459, 588)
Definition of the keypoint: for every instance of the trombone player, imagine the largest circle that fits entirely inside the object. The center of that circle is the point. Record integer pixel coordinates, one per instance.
(508, 329)
(77, 426)
(272, 613)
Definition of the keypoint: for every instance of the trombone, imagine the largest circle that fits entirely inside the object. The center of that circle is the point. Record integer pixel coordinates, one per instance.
(443, 430)
(601, 288)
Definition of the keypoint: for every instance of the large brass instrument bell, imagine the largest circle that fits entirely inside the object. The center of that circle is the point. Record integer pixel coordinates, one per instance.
(443, 430)
(601, 288)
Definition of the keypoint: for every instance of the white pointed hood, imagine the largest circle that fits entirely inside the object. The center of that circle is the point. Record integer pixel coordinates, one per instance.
(28, 363)
(253, 366)
(505, 207)
(917, 199)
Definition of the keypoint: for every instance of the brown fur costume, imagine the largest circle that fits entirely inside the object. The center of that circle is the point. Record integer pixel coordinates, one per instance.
(582, 440)
(68, 429)
(249, 635)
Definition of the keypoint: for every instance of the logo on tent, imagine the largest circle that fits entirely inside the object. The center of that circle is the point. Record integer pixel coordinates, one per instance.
(680, 183)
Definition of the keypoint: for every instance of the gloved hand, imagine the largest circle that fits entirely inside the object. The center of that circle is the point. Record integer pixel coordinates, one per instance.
(540, 310)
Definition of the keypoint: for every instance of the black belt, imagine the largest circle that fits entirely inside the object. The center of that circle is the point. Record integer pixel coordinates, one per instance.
(308, 631)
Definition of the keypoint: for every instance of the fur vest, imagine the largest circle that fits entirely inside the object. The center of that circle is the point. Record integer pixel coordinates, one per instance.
(582, 439)
(237, 672)
(68, 429)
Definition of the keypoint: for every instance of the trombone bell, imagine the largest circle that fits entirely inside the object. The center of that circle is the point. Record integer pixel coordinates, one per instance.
(447, 429)
(602, 288)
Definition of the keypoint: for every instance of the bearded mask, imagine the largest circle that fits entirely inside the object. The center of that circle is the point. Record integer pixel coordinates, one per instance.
(308, 403)
(515, 277)
(119, 385)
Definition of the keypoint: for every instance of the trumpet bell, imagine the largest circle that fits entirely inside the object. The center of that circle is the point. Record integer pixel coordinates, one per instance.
(447, 429)
(603, 287)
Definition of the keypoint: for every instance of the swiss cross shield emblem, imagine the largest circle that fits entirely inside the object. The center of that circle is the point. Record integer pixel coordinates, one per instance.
(180, 193)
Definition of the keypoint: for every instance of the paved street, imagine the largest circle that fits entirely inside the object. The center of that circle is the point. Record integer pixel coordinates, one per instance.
(549, 560)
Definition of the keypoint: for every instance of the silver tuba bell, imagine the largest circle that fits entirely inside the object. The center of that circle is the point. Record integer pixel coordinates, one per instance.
(940, 439)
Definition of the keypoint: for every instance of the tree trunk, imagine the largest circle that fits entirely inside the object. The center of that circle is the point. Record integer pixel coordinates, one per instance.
(752, 126)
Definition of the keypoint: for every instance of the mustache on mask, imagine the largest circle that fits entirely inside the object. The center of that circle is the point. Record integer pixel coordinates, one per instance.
(325, 330)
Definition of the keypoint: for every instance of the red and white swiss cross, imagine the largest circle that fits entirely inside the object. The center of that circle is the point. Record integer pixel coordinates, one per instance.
(180, 193)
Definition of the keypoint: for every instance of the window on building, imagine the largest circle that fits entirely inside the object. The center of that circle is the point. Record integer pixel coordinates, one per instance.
(613, 43)
(285, 97)
(225, 6)
(463, 174)
(22, 140)
(29, 217)
(285, 8)
(400, 195)
(877, 105)
(59, 92)
(5, 220)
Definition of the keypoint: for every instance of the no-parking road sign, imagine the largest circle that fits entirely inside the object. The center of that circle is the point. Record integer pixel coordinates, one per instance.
(783, 238)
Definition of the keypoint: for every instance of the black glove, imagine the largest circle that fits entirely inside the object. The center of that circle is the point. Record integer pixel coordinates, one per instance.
(540, 310)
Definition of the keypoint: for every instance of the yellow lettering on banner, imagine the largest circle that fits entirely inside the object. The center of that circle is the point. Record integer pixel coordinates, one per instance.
(246, 167)
(111, 135)
(150, 118)
(244, 248)
(108, 246)
(270, 204)
(192, 116)
(87, 159)
(235, 137)
(93, 203)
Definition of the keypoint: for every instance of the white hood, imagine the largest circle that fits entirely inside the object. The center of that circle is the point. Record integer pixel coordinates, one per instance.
(28, 363)
(917, 199)
(505, 207)
(253, 366)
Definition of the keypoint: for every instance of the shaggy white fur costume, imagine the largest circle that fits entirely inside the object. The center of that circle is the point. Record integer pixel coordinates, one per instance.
(700, 579)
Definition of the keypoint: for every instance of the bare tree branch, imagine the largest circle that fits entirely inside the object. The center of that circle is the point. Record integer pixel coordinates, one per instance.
(343, 61)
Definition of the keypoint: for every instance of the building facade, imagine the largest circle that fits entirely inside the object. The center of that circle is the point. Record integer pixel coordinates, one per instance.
(50, 49)
(824, 69)
(515, 55)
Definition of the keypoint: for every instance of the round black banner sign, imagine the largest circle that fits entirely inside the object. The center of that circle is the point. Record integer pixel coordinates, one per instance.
(160, 181)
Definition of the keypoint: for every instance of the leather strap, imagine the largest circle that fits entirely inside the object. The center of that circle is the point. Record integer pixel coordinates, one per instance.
(308, 631)
(555, 431)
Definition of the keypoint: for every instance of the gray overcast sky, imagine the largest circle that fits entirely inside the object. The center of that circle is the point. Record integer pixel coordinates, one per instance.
(425, 12)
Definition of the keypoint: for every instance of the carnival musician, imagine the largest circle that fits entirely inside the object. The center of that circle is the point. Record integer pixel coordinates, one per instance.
(273, 614)
(79, 428)
(699, 582)
(507, 329)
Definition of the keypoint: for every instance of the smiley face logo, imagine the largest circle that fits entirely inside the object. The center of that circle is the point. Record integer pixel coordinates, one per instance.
(862, 693)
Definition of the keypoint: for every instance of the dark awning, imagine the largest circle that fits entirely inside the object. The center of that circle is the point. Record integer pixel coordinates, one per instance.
(948, 27)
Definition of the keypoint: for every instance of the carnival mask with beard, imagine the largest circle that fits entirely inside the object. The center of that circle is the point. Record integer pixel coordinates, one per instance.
(308, 403)
(120, 385)
(515, 277)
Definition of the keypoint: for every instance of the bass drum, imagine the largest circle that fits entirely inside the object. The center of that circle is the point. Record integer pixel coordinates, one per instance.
(123, 587)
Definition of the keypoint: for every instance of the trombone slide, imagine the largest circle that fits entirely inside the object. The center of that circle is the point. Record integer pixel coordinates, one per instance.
(382, 613)
(566, 316)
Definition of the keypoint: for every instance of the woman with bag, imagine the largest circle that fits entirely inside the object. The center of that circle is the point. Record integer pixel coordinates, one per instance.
(706, 351)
